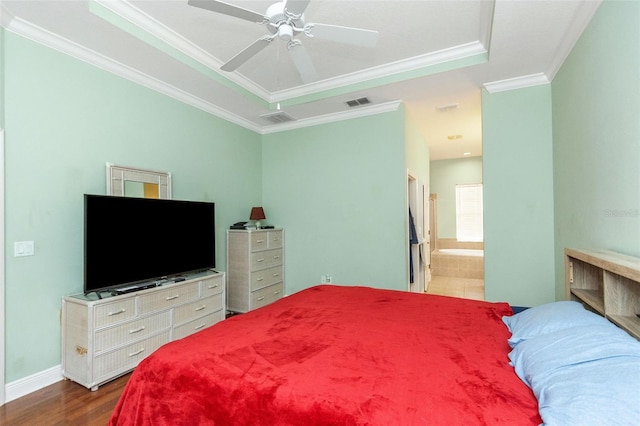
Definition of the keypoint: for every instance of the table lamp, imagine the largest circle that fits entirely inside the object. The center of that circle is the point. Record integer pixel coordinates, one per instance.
(257, 214)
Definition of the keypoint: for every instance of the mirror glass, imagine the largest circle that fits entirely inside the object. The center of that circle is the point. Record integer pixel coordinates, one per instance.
(141, 189)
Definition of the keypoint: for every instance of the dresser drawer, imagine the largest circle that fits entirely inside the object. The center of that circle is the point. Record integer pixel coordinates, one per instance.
(266, 277)
(134, 330)
(266, 295)
(266, 259)
(171, 296)
(126, 358)
(198, 324)
(275, 239)
(111, 313)
(197, 309)
(259, 240)
(212, 286)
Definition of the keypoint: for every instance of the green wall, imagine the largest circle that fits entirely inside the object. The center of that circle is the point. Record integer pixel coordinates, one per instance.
(416, 152)
(596, 115)
(64, 119)
(337, 190)
(445, 175)
(518, 196)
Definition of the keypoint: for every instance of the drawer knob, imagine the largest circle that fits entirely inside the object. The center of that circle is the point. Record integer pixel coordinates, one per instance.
(276, 274)
(212, 286)
(199, 326)
(121, 311)
(259, 241)
(276, 257)
(138, 352)
(260, 299)
(137, 330)
(260, 279)
(260, 260)
(276, 292)
(172, 297)
(201, 308)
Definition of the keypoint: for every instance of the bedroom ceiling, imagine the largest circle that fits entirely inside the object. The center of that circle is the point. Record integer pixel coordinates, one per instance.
(434, 56)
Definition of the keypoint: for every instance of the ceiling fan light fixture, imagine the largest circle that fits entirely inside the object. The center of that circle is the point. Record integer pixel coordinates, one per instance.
(285, 32)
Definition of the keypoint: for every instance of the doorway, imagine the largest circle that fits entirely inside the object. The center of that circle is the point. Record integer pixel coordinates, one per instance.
(418, 217)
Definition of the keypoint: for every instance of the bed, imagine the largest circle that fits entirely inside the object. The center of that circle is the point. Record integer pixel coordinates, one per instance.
(349, 355)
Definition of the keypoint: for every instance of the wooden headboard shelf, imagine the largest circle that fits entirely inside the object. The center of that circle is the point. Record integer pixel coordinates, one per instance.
(607, 283)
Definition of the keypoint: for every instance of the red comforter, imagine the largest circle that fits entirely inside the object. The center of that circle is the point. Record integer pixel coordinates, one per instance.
(335, 355)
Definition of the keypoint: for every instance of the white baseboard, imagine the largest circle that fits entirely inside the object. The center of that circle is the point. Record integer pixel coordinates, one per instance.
(26, 385)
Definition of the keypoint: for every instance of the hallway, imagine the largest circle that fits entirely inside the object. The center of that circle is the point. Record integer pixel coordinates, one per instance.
(468, 288)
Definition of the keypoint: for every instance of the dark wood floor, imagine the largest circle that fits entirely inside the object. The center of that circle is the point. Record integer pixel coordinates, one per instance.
(64, 403)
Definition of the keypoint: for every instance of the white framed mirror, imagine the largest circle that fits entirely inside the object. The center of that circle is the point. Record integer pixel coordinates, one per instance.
(131, 182)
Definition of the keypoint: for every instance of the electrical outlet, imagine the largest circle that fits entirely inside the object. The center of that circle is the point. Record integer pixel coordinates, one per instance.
(328, 279)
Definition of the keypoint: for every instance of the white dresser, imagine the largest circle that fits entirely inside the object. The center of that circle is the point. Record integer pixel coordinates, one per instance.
(106, 338)
(255, 268)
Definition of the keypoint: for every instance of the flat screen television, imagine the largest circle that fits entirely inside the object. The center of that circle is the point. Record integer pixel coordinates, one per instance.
(136, 240)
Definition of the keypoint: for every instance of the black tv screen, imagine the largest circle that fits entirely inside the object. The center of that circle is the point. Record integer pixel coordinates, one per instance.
(133, 240)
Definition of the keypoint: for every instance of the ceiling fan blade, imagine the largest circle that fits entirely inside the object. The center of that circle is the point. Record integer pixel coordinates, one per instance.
(296, 7)
(228, 9)
(302, 61)
(247, 53)
(357, 36)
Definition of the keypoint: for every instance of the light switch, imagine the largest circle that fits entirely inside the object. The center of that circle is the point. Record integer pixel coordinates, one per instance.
(23, 248)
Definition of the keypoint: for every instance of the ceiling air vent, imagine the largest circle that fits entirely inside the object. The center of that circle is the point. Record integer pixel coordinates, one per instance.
(357, 102)
(277, 117)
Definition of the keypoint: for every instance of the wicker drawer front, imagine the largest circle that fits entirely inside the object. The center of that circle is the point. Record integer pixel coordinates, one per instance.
(266, 259)
(124, 359)
(134, 330)
(111, 313)
(212, 286)
(163, 299)
(197, 325)
(259, 240)
(275, 239)
(266, 295)
(197, 309)
(266, 277)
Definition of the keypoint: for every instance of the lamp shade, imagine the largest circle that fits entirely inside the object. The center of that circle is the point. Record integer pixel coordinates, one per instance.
(257, 213)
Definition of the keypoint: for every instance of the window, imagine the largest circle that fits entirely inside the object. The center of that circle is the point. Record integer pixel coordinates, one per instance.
(469, 212)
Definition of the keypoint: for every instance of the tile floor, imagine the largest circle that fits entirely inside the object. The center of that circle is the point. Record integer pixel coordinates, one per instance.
(468, 288)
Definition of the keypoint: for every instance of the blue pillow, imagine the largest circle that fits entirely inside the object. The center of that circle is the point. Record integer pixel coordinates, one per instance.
(548, 318)
(538, 355)
(587, 375)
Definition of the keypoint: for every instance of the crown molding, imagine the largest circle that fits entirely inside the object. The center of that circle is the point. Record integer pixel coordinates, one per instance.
(169, 37)
(584, 13)
(383, 71)
(60, 44)
(516, 83)
(125, 10)
(67, 47)
(333, 117)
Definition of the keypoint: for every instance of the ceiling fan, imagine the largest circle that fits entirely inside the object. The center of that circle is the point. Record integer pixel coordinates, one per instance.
(285, 20)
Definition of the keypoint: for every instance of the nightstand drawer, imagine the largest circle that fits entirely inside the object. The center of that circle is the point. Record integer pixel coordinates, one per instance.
(111, 313)
(134, 330)
(266, 277)
(266, 295)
